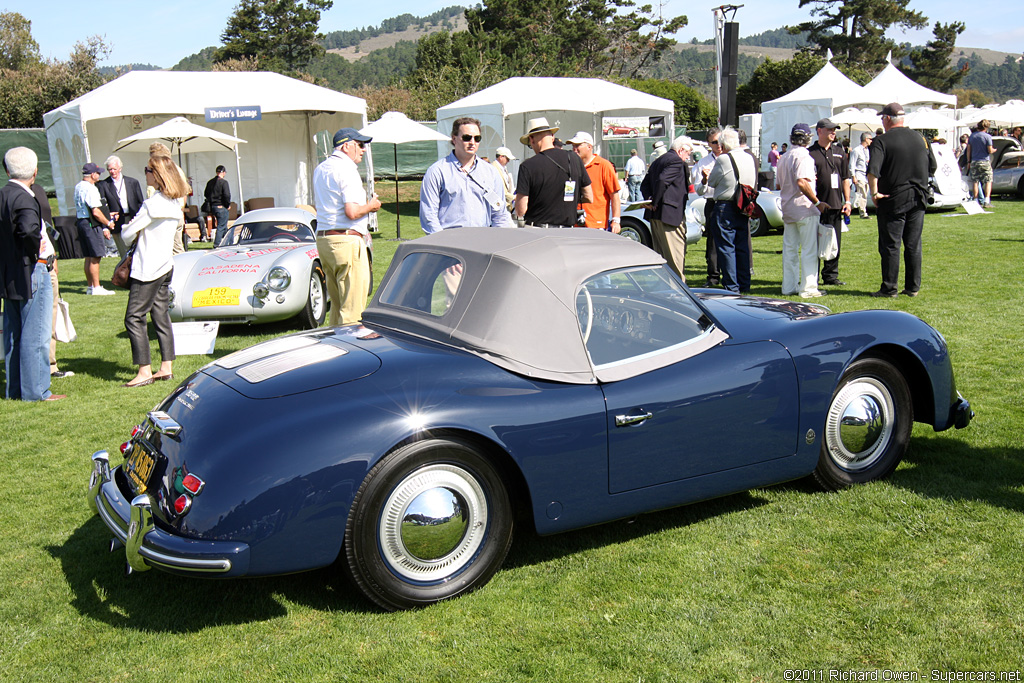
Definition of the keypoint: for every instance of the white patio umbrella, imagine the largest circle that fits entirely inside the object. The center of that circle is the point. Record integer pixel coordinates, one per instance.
(395, 128)
(927, 118)
(852, 117)
(186, 137)
(1009, 114)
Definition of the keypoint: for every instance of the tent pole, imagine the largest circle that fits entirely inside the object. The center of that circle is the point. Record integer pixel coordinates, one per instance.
(238, 165)
(398, 211)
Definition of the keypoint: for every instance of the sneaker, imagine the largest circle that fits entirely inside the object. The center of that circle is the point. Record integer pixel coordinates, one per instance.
(881, 294)
(987, 205)
(61, 374)
(907, 292)
(865, 216)
(812, 293)
(98, 290)
(55, 397)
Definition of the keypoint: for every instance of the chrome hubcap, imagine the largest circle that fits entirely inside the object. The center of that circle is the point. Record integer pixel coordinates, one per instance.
(433, 523)
(860, 424)
(316, 296)
(630, 233)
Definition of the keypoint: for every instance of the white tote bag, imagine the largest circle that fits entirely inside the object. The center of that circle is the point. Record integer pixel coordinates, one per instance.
(828, 245)
(64, 329)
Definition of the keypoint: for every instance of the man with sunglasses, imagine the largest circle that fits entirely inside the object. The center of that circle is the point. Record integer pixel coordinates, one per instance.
(342, 211)
(461, 190)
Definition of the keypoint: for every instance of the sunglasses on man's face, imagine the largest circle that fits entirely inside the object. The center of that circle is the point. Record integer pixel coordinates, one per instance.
(466, 137)
(713, 142)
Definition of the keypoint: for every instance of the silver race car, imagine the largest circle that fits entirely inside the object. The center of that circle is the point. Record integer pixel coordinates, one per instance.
(267, 268)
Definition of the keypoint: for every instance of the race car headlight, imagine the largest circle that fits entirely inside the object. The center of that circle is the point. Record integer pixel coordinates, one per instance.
(278, 279)
(261, 290)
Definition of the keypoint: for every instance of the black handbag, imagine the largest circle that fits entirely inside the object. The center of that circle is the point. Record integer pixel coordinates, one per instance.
(123, 270)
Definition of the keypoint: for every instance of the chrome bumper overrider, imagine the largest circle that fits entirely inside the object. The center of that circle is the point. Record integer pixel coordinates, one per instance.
(961, 413)
(145, 545)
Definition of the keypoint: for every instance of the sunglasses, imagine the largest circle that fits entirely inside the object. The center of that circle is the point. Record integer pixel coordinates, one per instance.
(466, 137)
(713, 142)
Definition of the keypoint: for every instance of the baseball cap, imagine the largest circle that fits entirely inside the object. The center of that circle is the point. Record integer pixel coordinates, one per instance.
(346, 134)
(827, 123)
(505, 152)
(91, 168)
(581, 137)
(801, 128)
(892, 109)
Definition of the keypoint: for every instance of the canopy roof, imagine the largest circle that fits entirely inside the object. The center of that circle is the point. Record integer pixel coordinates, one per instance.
(828, 84)
(515, 301)
(892, 85)
(521, 94)
(191, 92)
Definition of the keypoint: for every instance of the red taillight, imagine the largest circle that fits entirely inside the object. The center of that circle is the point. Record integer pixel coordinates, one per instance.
(136, 430)
(192, 484)
(125, 447)
(182, 503)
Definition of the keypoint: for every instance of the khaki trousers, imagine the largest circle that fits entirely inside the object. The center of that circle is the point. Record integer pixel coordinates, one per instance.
(670, 242)
(347, 270)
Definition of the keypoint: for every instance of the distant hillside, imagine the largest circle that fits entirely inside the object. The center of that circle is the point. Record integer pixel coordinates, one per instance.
(412, 33)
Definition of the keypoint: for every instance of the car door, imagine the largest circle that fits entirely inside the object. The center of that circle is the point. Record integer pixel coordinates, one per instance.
(730, 406)
(682, 399)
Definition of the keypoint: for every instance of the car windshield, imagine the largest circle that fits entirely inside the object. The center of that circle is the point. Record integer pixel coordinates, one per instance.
(269, 231)
(636, 312)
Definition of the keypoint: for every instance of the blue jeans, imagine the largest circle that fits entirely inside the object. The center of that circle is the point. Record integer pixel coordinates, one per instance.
(733, 246)
(634, 188)
(222, 223)
(28, 326)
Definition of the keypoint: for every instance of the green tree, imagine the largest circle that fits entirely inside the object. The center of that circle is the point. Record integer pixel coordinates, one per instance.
(774, 79)
(281, 34)
(855, 29)
(17, 48)
(931, 63)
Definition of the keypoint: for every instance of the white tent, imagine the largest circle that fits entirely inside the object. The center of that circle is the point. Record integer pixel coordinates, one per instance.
(282, 150)
(573, 104)
(826, 92)
(892, 85)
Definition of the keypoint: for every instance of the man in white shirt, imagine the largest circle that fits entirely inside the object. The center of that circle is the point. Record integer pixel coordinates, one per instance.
(342, 211)
(859, 158)
(635, 170)
(700, 178)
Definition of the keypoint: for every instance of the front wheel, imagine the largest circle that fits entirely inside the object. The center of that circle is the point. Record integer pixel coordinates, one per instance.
(431, 521)
(758, 225)
(315, 311)
(867, 428)
(635, 230)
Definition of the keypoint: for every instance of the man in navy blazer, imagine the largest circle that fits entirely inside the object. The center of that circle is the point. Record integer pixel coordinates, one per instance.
(24, 283)
(667, 185)
(123, 196)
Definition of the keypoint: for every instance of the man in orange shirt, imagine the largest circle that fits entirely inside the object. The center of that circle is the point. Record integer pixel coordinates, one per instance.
(605, 183)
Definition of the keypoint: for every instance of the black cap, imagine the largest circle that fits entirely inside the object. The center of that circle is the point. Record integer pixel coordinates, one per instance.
(892, 109)
(91, 168)
(827, 123)
(346, 134)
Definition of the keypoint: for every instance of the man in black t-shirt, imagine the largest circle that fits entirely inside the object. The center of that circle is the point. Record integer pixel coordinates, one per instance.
(898, 172)
(832, 166)
(552, 183)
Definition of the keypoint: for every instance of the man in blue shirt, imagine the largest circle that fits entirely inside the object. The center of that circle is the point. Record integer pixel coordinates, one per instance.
(979, 151)
(460, 190)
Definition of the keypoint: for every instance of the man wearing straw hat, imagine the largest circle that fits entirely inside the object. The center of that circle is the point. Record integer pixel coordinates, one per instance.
(551, 183)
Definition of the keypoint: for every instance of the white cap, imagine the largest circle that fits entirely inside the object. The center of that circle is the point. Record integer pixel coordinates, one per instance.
(659, 144)
(581, 137)
(505, 152)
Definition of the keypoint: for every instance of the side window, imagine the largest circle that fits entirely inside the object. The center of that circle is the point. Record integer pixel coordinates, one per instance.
(424, 282)
(630, 313)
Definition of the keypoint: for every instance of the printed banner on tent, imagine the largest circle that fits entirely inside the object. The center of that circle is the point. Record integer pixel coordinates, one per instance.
(215, 114)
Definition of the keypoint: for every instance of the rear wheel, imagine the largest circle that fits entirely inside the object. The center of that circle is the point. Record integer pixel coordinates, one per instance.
(431, 521)
(315, 311)
(867, 428)
(758, 226)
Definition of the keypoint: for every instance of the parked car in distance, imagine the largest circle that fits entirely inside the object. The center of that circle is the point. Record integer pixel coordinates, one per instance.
(1007, 166)
(266, 269)
(618, 131)
(552, 378)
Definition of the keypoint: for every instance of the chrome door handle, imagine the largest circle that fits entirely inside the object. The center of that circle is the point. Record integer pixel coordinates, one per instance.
(626, 420)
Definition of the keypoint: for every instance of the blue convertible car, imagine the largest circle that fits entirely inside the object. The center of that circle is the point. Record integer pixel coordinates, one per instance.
(500, 376)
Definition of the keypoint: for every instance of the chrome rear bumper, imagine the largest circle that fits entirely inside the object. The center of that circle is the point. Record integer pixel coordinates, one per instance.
(147, 546)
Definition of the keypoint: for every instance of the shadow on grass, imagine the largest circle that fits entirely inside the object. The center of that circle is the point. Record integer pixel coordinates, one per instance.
(529, 548)
(166, 603)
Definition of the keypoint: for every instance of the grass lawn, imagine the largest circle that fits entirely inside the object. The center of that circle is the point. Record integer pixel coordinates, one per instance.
(918, 573)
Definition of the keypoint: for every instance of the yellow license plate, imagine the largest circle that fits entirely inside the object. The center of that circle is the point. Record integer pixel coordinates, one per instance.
(139, 467)
(216, 296)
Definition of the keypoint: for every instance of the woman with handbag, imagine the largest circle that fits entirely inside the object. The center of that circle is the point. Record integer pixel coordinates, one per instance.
(152, 232)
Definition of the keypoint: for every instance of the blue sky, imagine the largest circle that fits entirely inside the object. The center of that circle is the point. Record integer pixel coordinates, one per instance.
(162, 33)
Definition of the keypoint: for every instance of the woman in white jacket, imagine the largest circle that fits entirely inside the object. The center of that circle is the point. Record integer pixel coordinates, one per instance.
(152, 231)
